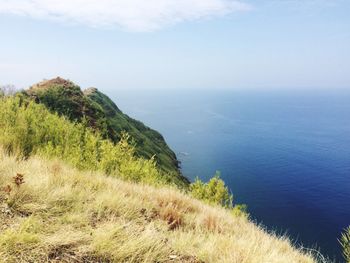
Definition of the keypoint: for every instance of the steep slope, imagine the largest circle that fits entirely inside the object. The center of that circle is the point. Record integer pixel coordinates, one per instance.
(50, 212)
(101, 113)
(148, 141)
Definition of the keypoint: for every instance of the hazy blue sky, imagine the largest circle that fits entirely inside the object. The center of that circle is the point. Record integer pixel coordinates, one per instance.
(129, 44)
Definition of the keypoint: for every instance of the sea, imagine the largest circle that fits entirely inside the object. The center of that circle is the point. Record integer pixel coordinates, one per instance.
(283, 153)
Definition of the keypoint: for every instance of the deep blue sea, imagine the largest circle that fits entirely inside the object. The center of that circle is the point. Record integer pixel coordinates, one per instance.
(286, 154)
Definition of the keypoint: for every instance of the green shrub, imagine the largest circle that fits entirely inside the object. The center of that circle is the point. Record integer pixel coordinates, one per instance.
(28, 128)
(217, 193)
(345, 242)
(240, 210)
(213, 192)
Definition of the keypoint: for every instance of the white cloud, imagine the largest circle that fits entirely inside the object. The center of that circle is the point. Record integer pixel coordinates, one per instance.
(134, 15)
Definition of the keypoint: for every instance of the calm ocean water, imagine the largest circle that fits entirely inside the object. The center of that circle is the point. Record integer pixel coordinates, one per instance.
(284, 154)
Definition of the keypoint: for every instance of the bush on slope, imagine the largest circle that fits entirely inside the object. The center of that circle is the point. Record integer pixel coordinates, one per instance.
(345, 243)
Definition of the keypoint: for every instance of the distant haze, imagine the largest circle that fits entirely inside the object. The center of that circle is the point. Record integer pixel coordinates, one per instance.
(171, 44)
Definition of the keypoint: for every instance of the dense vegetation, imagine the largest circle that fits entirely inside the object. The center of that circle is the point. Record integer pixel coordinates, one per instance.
(100, 113)
(27, 128)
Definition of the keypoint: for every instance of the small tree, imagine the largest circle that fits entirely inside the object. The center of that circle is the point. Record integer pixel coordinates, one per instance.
(7, 90)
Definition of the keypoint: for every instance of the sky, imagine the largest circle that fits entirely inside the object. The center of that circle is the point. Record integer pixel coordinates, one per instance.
(177, 44)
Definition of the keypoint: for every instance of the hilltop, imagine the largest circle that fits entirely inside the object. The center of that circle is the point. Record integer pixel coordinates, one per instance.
(99, 112)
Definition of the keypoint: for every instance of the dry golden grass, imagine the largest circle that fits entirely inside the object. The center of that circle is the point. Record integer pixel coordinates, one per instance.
(60, 214)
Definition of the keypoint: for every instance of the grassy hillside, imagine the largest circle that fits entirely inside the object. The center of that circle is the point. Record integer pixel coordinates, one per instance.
(27, 128)
(101, 113)
(51, 212)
